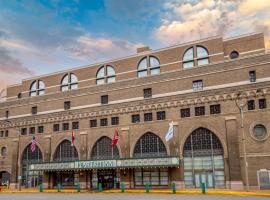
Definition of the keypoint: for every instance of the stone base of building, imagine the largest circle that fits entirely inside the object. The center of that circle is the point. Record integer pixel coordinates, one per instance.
(13, 186)
(45, 185)
(235, 185)
(179, 184)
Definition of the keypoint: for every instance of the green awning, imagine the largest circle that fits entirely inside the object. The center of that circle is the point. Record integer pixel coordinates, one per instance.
(106, 164)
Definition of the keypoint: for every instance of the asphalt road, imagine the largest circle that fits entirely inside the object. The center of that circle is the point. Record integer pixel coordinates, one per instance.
(88, 196)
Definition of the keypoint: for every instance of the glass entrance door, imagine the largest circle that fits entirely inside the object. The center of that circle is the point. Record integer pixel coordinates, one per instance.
(204, 177)
(106, 178)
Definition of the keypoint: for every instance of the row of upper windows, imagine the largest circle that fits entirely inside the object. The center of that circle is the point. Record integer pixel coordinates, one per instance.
(147, 66)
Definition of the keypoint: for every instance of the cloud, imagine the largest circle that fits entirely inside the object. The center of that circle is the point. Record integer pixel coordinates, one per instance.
(9, 64)
(11, 69)
(252, 6)
(190, 20)
(94, 49)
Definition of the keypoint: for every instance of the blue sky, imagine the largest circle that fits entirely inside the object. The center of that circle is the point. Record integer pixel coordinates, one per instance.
(43, 36)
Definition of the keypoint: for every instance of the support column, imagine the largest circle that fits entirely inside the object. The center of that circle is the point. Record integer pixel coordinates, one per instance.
(175, 175)
(45, 180)
(127, 178)
(14, 170)
(82, 179)
(124, 142)
(233, 175)
(174, 142)
(48, 151)
(83, 147)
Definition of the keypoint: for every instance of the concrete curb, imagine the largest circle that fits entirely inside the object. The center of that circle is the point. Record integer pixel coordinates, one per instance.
(195, 192)
(153, 191)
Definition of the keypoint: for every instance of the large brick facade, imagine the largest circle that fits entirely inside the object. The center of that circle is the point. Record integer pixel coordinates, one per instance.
(224, 81)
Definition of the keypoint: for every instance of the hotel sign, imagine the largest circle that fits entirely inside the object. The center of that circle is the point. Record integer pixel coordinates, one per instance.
(95, 164)
(103, 164)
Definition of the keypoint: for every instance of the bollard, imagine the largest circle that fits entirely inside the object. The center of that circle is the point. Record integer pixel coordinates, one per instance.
(58, 187)
(40, 187)
(99, 187)
(147, 187)
(78, 187)
(123, 187)
(174, 188)
(203, 188)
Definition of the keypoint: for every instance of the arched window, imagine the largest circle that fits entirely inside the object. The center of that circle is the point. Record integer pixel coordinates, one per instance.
(69, 82)
(105, 74)
(189, 59)
(29, 157)
(202, 56)
(65, 152)
(103, 149)
(37, 88)
(203, 159)
(149, 145)
(149, 65)
(3, 151)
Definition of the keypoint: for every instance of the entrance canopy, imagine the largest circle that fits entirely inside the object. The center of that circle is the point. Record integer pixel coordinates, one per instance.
(107, 164)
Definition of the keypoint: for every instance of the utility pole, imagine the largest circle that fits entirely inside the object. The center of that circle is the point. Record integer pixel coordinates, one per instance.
(241, 103)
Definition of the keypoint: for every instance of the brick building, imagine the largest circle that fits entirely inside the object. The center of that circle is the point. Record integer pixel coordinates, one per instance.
(201, 86)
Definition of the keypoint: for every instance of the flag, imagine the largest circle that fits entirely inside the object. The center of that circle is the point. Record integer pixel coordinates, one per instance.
(33, 144)
(115, 137)
(72, 138)
(169, 134)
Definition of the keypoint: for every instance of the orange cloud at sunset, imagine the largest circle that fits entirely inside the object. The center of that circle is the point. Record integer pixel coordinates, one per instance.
(191, 21)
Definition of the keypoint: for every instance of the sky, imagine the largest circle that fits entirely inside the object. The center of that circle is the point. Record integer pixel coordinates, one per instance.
(43, 36)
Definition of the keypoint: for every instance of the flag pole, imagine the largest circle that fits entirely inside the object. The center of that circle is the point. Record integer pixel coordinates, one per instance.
(112, 151)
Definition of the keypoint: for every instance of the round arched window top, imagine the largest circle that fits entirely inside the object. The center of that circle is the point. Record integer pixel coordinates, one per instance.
(69, 82)
(259, 132)
(197, 55)
(148, 65)
(105, 74)
(37, 88)
(3, 151)
(234, 54)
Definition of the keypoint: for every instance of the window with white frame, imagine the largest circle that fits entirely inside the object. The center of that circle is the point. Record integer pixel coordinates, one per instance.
(197, 85)
(190, 59)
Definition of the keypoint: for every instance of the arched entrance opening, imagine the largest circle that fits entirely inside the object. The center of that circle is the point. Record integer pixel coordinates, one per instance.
(104, 150)
(65, 152)
(150, 146)
(203, 160)
(4, 178)
(30, 156)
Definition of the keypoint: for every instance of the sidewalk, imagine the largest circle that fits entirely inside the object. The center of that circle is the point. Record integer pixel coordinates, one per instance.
(152, 191)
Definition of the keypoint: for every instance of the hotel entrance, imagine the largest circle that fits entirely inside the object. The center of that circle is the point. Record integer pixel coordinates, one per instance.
(109, 179)
(106, 178)
(67, 179)
(203, 160)
(204, 177)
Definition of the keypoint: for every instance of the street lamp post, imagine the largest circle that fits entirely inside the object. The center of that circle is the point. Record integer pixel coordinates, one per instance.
(241, 103)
